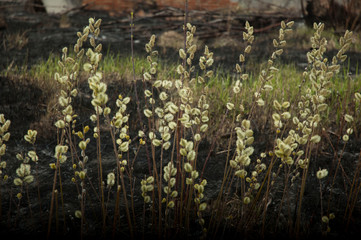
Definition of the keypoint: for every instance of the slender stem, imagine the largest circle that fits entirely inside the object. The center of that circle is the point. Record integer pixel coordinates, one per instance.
(27, 196)
(302, 190)
(100, 169)
(136, 90)
(120, 172)
(82, 206)
(62, 198)
(53, 198)
(116, 210)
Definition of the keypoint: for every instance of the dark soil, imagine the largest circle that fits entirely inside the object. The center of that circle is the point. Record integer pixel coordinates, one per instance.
(25, 105)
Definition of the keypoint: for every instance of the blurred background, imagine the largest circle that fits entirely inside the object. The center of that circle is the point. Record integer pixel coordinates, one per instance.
(341, 13)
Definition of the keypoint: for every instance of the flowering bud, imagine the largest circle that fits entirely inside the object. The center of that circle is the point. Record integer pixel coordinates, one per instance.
(188, 167)
(348, 118)
(182, 53)
(78, 214)
(60, 124)
(202, 207)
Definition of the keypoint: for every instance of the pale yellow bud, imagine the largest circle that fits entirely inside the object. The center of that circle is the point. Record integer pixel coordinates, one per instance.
(348, 118)
(202, 207)
(78, 214)
(60, 124)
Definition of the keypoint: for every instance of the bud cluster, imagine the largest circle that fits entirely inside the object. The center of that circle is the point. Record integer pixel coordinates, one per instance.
(266, 75)
(169, 176)
(243, 149)
(24, 171)
(199, 189)
(4, 137)
(83, 143)
(120, 122)
(147, 186)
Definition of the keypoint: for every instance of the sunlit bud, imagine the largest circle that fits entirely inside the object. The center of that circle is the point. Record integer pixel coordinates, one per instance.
(248, 49)
(180, 69)
(166, 190)
(267, 87)
(183, 152)
(182, 53)
(358, 96)
(325, 219)
(197, 137)
(78, 214)
(206, 119)
(147, 113)
(170, 204)
(166, 145)
(283, 25)
(241, 59)
(19, 196)
(276, 117)
(124, 147)
(286, 115)
(33, 156)
(82, 145)
(60, 124)
(277, 105)
(156, 142)
(191, 155)
(349, 131)
(106, 111)
(2, 166)
(260, 102)
(322, 173)
(189, 146)
(209, 73)
(202, 207)
(126, 100)
(189, 181)
(68, 118)
(147, 76)
(150, 179)
(82, 175)
(141, 133)
(246, 200)
(147, 93)
(209, 62)
(2, 149)
(188, 167)
(230, 106)
(29, 179)
(345, 138)
(97, 23)
(2, 118)
(241, 173)
(172, 125)
(249, 141)
(348, 118)
(233, 163)
(146, 199)
(87, 67)
(163, 96)
(174, 194)
(315, 139)
(172, 182)
(151, 135)
(290, 24)
(18, 181)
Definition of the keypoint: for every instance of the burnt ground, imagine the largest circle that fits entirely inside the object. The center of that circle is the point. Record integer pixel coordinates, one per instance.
(25, 105)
